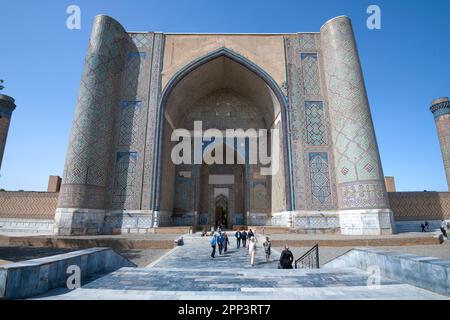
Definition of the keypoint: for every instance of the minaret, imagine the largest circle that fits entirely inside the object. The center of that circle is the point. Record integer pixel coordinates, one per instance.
(362, 197)
(7, 106)
(81, 204)
(441, 111)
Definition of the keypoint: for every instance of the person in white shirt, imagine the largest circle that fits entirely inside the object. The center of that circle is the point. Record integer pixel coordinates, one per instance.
(252, 250)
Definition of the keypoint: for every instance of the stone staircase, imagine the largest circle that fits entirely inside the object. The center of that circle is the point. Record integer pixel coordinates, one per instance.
(188, 272)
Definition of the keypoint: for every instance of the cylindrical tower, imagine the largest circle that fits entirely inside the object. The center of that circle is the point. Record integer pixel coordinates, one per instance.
(362, 197)
(81, 205)
(7, 106)
(441, 111)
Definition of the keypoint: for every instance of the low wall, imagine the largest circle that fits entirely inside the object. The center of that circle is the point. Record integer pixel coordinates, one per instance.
(415, 225)
(424, 272)
(416, 206)
(28, 205)
(33, 226)
(33, 277)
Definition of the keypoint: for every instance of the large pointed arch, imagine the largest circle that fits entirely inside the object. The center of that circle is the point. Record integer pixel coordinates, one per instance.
(185, 71)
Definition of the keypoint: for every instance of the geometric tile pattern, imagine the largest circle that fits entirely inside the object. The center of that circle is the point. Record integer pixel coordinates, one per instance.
(259, 190)
(307, 41)
(154, 87)
(315, 126)
(358, 168)
(132, 125)
(125, 177)
(316, 222)
(28, 205)
(183, 190)
(363, 195)
(129, 122)
(320, 178)
(310, 71)
(420, 205)
(309, 122)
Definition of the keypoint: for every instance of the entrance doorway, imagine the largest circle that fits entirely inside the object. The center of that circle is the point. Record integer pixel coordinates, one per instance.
(221, 205)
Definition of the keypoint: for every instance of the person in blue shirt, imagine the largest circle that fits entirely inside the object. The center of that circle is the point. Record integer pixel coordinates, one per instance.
(220, 241)
(213, 242)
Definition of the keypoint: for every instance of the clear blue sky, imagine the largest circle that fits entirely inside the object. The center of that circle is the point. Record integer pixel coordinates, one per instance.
(406, 65)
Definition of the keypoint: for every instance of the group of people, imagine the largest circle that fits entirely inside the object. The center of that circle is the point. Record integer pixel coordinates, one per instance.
(221, 240)
(242, 236)
(444, 226)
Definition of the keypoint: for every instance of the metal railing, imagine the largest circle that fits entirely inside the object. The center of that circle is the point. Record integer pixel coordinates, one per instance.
(310, 260)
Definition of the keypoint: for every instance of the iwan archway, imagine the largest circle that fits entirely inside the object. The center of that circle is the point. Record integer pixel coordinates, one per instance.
(224, 91)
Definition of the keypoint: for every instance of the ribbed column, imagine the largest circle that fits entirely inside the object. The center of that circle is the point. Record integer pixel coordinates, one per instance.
(362, 196)
(7, 106)
(81, 204)
(441, 111)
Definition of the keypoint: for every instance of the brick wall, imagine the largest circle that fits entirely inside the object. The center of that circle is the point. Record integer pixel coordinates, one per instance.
(420, 205)
(28, 205)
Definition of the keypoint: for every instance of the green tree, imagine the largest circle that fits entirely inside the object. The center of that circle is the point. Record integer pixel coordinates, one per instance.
(1, 87)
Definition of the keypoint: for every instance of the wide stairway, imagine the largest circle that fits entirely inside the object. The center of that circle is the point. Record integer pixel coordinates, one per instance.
(189, 272)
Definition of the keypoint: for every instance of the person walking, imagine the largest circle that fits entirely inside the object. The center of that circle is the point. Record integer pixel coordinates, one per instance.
(252, 250)
(267, 248)
(213, 242)
(250, 234)
(443, 228)
(244, 238)
(286, 258)
(226, 242)
(220, 241)
(238, 239)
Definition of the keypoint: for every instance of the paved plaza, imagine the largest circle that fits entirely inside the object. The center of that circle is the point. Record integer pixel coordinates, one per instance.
(188, 272)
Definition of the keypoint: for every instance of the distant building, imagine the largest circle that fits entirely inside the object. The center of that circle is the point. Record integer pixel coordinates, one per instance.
(390, 184)
(441, 111)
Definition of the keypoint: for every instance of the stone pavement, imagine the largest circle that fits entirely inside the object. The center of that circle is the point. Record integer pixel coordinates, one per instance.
(188, 272)
(196, 254)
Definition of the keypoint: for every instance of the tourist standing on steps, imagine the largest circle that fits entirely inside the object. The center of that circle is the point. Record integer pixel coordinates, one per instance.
(252, 250)
(443, 228)
(238, 239)
(220, 241)
(213, 242)
(286, 258)
(267, 248)
(244, 238)
(226, 242)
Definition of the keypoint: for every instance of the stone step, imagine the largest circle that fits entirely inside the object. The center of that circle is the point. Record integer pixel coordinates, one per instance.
(187, 283)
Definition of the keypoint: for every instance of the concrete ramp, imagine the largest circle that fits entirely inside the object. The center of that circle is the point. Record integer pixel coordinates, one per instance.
(424, 272)
(34, 277)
